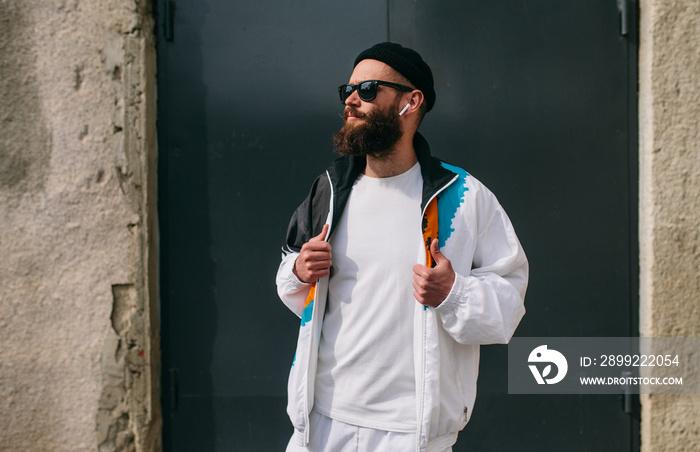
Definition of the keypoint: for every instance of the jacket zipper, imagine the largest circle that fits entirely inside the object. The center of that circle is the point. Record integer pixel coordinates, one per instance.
(444, 187)
(424, 323)
(307, 410)
(329, 219)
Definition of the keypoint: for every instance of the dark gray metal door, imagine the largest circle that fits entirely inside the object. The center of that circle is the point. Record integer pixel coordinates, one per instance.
(536, 98)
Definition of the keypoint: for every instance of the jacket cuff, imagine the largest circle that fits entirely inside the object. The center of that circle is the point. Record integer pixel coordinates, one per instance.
(289, 277)
(459, 289)
(295, 282)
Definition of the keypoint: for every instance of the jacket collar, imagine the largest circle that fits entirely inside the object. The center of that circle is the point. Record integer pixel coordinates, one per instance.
(345, 170)
(435, 176)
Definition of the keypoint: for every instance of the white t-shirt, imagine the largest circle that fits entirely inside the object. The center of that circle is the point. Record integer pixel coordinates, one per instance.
(365, 372)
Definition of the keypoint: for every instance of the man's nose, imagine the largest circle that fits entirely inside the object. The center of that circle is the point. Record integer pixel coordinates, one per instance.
(353, 99)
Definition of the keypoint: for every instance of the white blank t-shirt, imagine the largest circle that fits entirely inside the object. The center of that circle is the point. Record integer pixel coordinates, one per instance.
(365, 372)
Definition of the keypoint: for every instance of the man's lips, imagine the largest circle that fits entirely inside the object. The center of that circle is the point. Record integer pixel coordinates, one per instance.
(351, 115)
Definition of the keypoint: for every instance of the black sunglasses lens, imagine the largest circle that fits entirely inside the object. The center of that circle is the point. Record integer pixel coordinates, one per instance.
(367, 91)
(345, 91)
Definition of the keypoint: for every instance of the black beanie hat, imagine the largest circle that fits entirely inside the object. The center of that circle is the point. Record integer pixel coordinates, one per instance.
(406, 62)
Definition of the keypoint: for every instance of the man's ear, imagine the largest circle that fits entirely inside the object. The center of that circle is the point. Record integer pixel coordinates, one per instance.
(415, 101)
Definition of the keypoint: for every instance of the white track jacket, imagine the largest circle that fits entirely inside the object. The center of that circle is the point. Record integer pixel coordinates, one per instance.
(484, 306)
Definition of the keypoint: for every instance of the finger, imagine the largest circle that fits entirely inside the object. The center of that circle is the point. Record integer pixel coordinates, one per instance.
(322, 235)
(318, 274)
(317, 255)
(436, 253)
(317, 246)
(423, 276)
(417, 291)
(311, 271)
(421, 270)
(419, 283)
(419, 295)
(317, 265)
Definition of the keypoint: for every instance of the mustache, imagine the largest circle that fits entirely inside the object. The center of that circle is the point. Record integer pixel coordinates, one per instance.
(354, 112)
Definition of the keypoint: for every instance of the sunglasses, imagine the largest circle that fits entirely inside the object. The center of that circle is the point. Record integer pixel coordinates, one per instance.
(367, 90)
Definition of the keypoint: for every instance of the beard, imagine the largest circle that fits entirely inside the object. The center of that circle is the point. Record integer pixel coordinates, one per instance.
(375, 134)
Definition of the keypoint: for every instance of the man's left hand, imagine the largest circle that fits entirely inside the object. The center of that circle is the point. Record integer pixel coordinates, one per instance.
(432, 285)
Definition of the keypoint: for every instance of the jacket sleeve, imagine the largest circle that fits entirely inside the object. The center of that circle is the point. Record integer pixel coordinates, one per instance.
(486, 304)
(290, 289)
(306, 222)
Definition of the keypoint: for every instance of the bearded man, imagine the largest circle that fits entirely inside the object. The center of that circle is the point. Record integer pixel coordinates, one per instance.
(399, 266)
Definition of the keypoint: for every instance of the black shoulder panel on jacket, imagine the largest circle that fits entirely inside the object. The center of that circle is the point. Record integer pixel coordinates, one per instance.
(310, 216)
(434, 175)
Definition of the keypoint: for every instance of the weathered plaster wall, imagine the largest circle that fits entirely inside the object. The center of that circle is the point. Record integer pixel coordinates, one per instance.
(77, 149)
(670, 203)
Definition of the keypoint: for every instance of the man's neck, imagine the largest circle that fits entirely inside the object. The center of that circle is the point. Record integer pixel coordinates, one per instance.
(401, 159)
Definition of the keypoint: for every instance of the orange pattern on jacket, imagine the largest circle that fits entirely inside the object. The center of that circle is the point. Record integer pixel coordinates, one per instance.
(312, 294)
(430, 230)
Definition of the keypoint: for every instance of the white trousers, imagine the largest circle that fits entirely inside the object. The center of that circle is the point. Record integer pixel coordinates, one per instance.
(328, 435)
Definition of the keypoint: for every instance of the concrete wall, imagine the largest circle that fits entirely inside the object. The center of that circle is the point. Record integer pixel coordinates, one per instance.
(79, 357)
(669, 110)
(78, 362)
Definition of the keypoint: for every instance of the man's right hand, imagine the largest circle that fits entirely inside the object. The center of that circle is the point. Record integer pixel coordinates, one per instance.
(314, 260)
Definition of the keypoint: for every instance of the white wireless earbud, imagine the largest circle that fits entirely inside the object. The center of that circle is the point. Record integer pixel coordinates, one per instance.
(405, 108)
